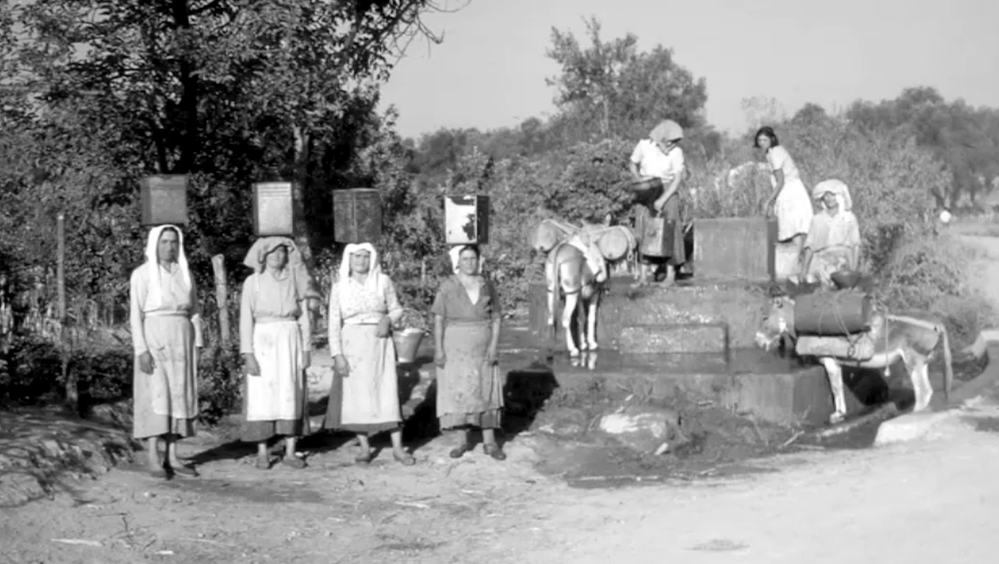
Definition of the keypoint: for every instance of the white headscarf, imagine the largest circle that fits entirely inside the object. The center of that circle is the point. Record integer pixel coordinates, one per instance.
(455, 253)
(155, 296)
(838, 188)
(373, 280)
(257, 255)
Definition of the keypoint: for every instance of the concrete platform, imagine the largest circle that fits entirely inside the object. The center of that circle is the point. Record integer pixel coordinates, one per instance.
(739, 307)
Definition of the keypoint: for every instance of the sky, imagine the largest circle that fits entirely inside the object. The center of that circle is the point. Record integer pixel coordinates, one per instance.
(490, 70)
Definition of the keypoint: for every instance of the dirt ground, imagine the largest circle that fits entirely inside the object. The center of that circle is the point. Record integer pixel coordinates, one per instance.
(932, 499)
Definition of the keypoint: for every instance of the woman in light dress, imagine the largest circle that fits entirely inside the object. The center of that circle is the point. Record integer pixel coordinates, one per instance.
(833, 242)
(275, 336)
(660, 156)
(166, 333)
(789, 201)
(364, 398)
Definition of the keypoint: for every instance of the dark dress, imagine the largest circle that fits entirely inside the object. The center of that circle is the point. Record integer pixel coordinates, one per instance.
(469, 388)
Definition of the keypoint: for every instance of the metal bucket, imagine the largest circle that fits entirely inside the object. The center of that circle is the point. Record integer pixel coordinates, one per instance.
(407, 342)
(615, 243)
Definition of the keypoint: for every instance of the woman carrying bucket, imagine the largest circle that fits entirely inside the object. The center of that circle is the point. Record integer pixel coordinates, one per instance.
(660, 156)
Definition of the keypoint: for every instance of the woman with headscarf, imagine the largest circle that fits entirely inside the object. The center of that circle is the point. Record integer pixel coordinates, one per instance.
(166, 331)
(364, 397)
(789, 201)
(467, 319)
(833, 241)
(660, 156)
(275, 339)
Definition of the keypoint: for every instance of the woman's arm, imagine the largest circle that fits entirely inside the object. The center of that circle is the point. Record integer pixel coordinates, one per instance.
(138, 287)
(246, 318)
(199, 335)
(669, 192)
(334, 321)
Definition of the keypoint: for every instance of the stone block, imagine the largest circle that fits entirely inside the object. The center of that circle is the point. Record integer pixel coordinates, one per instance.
(911, 426)
(738, 306)
(674, 339)
(734, 248)
(785, 261)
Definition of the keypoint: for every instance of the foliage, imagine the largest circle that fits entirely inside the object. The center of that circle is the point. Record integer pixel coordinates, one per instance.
(931, 273)
(965, 138)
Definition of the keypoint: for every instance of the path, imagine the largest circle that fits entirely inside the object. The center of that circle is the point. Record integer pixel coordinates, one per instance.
(931, 500)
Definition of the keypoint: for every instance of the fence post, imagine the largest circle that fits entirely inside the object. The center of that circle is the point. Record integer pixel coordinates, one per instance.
(72, 391)
(221, 297)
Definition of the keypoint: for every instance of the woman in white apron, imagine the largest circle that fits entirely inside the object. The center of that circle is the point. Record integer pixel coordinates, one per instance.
(660, 156)
(166, 332)
(790, 201)
(275, 339)
(364, 397)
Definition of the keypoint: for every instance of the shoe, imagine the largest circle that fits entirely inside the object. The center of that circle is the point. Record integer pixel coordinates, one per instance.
(494, 451)
(263, 463)
(363, 458)
(294, 462)
(458, 451)
(405, 458)
(183, 470)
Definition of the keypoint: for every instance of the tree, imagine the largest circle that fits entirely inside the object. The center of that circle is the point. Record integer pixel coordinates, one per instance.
(236, 89)
(610, 88)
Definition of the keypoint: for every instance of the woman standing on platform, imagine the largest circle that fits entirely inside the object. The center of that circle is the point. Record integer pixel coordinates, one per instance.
(660, 156)
(275, 336)
(364, 397)
(467, 319)
(790, 201)
(166, 331)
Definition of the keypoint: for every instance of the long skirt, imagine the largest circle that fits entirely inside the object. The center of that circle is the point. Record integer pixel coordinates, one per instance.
(671, 211)
(166, 401)
(275, 401)
(827, 261)
(367, 400)
(794, 210)
(469, 388)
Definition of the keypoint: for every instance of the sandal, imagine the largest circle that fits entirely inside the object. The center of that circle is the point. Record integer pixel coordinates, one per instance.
(494, 451)
(263, 463)
(457, 451)
(363, 458)
(159, 473)
(184, 470)
(294, 462)
(406, 459)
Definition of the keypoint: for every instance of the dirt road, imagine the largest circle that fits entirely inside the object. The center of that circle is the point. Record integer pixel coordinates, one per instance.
(926, 501)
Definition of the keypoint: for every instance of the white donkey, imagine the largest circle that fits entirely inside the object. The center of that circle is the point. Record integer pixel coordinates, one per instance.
(913, 339)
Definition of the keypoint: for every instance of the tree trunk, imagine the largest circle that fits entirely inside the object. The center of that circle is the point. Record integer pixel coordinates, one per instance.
(300, 188)
(189, 98)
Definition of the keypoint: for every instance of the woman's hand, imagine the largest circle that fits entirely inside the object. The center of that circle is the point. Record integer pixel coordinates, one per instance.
(251, 365)
(439, 358)
(384, 327)
(146, 364)
(341, 366)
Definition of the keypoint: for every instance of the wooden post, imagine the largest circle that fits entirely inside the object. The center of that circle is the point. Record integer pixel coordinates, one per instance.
(72, 393)
(222, 297)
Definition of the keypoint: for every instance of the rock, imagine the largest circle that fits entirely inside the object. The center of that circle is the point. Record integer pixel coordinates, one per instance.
(18, 488)
(912, 426)
(645, 428)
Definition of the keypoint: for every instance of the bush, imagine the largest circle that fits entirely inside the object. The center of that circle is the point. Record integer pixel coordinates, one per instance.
(930, 274)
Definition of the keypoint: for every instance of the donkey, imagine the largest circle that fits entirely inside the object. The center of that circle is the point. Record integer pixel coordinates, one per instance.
(567, 270)
(911, 338)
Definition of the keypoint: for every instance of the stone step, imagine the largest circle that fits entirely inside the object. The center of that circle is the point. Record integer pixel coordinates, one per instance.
(675, 339)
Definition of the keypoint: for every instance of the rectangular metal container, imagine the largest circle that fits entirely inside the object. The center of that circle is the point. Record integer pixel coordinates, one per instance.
(164, 200)
(466, 220)
(273, 211)
(357, 215)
